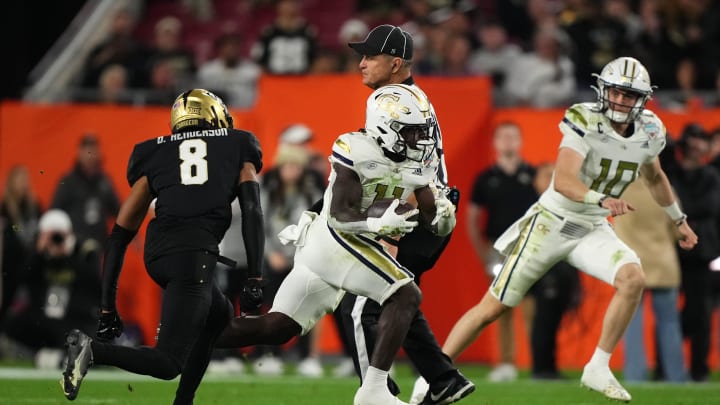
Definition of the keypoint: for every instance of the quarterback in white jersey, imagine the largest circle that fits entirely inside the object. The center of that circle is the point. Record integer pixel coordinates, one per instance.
(338, 249)
(605, 146)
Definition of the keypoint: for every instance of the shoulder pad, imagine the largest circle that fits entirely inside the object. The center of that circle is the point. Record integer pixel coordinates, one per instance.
(353, 147)
(249, 148)
(136, 163)
(651, 126)
(579, 118)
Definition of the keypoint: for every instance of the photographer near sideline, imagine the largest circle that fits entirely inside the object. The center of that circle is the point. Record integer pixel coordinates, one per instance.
(60, 292)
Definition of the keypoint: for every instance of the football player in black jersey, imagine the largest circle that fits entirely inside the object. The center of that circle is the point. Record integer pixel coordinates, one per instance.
(195, 172)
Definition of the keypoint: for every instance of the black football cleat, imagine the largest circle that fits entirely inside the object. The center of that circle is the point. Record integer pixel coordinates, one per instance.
(79, 358)
(448, 390)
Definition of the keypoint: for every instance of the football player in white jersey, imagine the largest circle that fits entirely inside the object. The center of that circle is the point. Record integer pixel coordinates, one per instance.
(387, 54)
(605, 146)
(338, 249)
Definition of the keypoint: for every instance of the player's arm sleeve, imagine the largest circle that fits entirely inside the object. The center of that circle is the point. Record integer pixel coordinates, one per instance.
(573, 126)
(252, 224)
(112, 265)
(131, 215)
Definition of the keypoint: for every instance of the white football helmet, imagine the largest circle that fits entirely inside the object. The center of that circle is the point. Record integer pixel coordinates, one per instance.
(627, 74)
(399, 117)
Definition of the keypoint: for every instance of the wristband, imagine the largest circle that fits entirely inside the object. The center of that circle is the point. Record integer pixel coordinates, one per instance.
(680, 221)
(593, 197)
(674, 212)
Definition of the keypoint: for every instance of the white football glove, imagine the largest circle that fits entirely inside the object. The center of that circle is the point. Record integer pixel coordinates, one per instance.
(391, 223)
(444, 219)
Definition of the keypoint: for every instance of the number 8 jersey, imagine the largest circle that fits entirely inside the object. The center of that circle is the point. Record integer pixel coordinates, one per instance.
(193, 175)
(611, 161)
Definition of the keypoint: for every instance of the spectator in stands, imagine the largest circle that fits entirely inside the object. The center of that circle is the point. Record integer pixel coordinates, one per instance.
(19, 207)
(686, 97)
(87, 195)
(202, 10)
(598, 38)
(523, 19)
(62, 286)
(230, 74)
(622, 11)
(715, 148)
(654, 46)
(118, 48)
(19, 214)
(113, 88)
(496, 53)
(698, 188)
(167, 47)
(326, 62)
(301, 135)
(288, 45)
(456, 54)
(352, 30)
(543, 78)
(651, 234)
(164, 83)
(714, 98)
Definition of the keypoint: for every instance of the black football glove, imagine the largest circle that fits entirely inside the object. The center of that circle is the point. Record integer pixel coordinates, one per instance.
(110, 326)
(251, 295)
(453, 194)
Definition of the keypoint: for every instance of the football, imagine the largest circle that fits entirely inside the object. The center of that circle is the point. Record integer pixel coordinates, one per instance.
(377, 208)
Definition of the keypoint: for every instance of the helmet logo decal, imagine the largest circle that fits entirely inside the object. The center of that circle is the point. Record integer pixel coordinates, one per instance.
(194, 107)
(625, 74)
(389, 104)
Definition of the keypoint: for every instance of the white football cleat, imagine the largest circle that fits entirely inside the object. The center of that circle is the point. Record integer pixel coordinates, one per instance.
(419, 391)
(269, 365)
(310, 367)
(503, 373)
(365, 396)
(602, 380)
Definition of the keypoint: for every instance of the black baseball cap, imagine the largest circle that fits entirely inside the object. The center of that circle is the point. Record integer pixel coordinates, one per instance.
(387, 39)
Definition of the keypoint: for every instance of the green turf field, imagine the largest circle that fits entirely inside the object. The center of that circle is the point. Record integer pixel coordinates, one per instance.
(24, 386)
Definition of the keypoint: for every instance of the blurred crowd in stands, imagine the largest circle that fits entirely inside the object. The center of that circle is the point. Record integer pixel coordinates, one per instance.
(538, 53)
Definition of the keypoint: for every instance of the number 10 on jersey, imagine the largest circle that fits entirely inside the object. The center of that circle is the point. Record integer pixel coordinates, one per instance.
(601, 183)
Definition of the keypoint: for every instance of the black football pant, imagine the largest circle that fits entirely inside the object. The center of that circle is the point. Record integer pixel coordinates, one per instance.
(194, 312)
(696, 314)
(418, 251)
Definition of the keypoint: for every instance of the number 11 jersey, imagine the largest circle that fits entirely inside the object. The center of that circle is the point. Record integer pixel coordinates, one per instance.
(611, 161)
(194, 176)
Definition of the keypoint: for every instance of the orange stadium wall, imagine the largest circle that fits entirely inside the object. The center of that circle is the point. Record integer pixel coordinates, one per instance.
(44, 138)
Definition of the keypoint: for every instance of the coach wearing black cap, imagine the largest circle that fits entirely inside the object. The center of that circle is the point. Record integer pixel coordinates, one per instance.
(387, 59)
(386, 56)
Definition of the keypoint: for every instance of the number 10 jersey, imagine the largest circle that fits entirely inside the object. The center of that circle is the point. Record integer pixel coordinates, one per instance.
(194, 176)
(611, 161)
